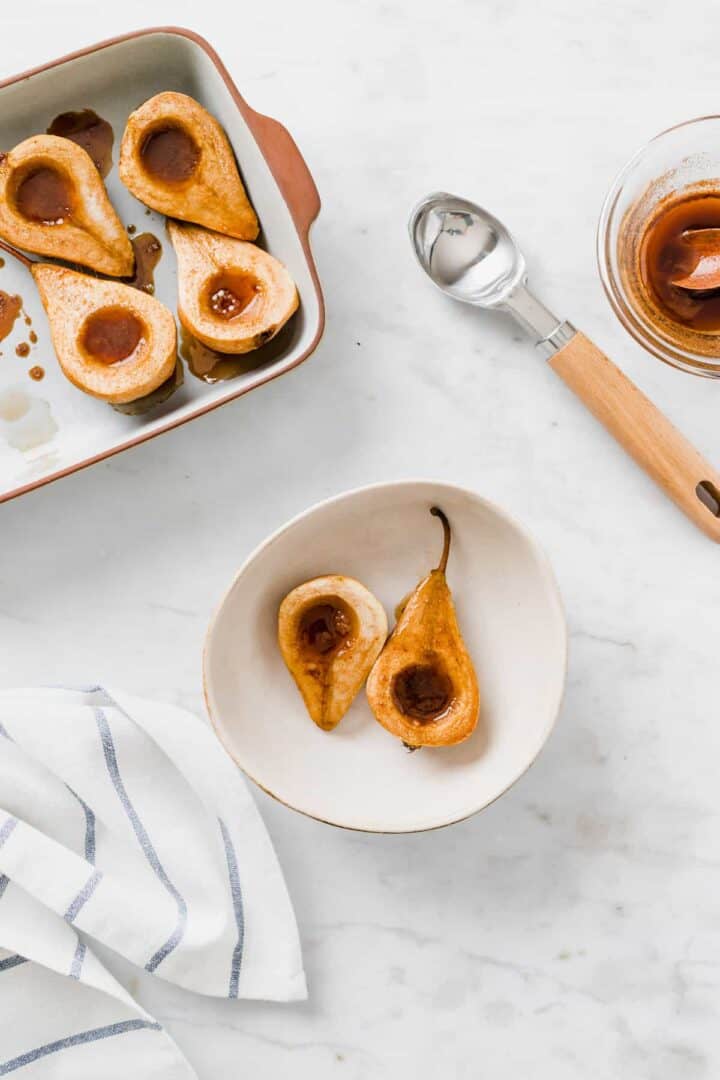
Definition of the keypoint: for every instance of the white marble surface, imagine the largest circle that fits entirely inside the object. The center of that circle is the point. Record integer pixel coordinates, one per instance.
(572, 930)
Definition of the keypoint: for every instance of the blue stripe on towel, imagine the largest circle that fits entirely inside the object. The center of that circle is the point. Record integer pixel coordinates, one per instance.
(6, 828)
(89, 815)
(89, 827)
(237, 900)
(85, 893)
(83, 896)
(144, 841)
(75, 1040)
(77, 961)
(12, 962)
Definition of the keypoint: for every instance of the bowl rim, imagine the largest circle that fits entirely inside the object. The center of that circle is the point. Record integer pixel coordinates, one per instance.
(306, 206)
(549, 578)
(625, 314)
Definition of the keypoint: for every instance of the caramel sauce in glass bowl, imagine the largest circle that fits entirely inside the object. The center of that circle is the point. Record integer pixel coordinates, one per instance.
(667, 255)
(668, 193)
(655, 249)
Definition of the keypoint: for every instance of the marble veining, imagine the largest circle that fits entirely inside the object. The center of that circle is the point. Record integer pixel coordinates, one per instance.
(572, 929)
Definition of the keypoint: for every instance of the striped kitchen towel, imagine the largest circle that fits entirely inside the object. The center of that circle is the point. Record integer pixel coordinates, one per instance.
(123, 821)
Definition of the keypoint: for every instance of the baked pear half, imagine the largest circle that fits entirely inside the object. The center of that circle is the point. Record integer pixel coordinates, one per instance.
(330, 632)
(112, 341)
(232, 295)
(175, 158)
(53, 202)
(423, 688)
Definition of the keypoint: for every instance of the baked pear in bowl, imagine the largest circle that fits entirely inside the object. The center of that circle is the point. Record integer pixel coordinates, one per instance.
(112, 341)
(53, 202)
(176, 158)
(330, 631)
(424, 688)
(232, 295)
(510, 613)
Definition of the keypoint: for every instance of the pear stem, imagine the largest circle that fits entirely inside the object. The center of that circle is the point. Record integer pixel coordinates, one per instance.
(437, 512)
(27, 263)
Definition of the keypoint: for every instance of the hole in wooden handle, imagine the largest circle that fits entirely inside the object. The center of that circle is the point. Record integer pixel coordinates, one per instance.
(709, 496)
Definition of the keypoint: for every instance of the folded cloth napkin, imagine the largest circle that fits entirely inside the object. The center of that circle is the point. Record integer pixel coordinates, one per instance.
(123, 821)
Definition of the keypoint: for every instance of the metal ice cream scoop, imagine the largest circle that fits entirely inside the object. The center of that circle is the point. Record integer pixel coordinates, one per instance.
(470, 255)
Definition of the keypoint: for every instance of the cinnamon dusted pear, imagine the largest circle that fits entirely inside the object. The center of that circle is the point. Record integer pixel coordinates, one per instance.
(176, 158)
(330, 631)
(423, 688)
(112, 341)
(53, 202)
(232, 296)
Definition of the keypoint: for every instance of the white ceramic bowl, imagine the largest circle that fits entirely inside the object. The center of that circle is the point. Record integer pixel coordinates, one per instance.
(358, 776)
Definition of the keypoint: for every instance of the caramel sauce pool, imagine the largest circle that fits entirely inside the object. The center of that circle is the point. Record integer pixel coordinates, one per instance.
(170, 154)
(148, 252)
(10, 307)
(45, 196)
(230, 293)
(666, 254)
(212, 366)
(422, 692)
(111, 334)
(90, 131)
(325, 628)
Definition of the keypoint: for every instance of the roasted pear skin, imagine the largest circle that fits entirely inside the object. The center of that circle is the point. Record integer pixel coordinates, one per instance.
(86, 321)
(53, 202)
(175, 158)
(423, 687)
(330, 631)
(232, 295)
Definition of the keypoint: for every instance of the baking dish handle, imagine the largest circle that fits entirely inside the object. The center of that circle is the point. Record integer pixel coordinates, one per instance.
(289, 169)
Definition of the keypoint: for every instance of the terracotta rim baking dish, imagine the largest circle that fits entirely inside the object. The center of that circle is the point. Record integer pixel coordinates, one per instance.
(296, 187)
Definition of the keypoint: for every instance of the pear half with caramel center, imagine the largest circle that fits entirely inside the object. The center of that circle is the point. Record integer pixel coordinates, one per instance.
(423, 688)
(330, 632)
(53, 202)
(112, 341)
(176, 158)
(232, 296)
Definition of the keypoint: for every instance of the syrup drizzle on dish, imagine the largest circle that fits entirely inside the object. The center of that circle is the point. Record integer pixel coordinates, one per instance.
(90, 131)
(212, 366)
(148, 252)
(10, 308)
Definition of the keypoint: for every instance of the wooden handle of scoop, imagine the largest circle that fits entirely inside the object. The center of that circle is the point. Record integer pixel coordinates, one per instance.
(647, 435)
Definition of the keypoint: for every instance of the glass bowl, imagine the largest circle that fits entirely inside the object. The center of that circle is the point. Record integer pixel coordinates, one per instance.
(684, 160)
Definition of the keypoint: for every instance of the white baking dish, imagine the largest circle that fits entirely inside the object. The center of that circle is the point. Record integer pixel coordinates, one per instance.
(113, 78)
